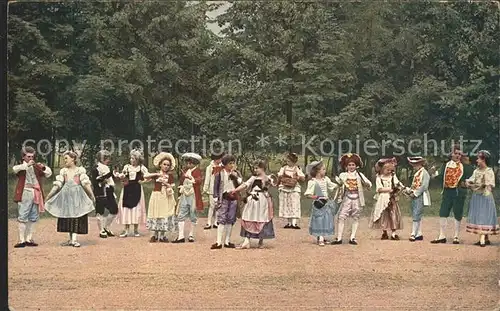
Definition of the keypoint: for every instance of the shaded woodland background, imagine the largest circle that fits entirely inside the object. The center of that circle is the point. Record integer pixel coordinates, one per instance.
(123, 70)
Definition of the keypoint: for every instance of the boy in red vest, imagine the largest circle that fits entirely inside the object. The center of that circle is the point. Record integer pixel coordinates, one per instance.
(29, 195)
(190, 199)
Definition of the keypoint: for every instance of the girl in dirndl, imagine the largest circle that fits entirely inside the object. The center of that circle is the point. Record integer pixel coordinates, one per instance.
(289, 177)
(318, 189)
(162, 201)
(387, 214)
(132, 206)
(482, 218)
(258, 212)
(71, 199)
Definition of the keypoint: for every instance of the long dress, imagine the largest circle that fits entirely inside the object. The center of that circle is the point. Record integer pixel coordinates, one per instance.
(289, 198)
(257, 214)
(386, 214)
(132, 205)
(161, 204)
(71, 204)
(321, 223)
(482, 218)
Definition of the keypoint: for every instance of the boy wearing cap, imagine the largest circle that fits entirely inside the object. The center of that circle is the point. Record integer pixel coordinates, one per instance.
(190, 195)
(420, 196)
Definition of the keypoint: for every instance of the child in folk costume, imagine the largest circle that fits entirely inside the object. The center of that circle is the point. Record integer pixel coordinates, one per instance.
(132, 206)
(193, 161)
(420, 196)
(103, 186)
(226, 200)
(387, 214)
(318, 189)
(29, 195)
(482, 218)
(188, 200)
(162, 202)
(258, 212)
(453, 176)
(289, 177)
(71, 199)
(208, 188)
(352, 195)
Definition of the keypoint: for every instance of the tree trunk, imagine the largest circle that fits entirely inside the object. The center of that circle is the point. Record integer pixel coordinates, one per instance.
(289, 104)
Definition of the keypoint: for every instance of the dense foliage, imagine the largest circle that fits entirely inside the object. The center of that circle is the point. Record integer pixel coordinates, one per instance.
(99, 70)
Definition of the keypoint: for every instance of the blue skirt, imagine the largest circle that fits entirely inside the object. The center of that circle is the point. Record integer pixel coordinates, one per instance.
(267, 232)
(482, 218)
(321, 223)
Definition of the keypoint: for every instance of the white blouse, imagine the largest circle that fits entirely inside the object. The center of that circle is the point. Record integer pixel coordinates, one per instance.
(84, 178)
(325, 184)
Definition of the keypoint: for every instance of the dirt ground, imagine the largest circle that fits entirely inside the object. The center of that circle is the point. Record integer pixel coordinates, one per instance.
(290, 273)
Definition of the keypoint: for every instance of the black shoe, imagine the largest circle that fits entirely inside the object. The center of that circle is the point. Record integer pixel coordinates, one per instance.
(287, 226)
(478, 243)
(191, 239)
(163, 239)
(395, 237)
(438, 241)
(456, 240)
(296, 227)
(20, 245)
(385, 236)
(229, 245)
(353, 242)
(103, 235)
(216, 246)
(153, 239)
(215, 226)
(31, 243)
(337, 242)
(412, 238)
(207, 227)
(109, 233)
(419, 238)
(183, 240)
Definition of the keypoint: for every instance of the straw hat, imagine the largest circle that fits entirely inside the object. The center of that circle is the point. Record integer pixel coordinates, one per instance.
(415, 160)
(311, 166)
(191, 155)
(158, 159)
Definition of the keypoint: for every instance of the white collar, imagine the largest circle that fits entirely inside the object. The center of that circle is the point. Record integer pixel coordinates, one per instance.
(453, 164)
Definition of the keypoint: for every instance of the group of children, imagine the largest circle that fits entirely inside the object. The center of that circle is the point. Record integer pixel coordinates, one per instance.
(75, 195)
